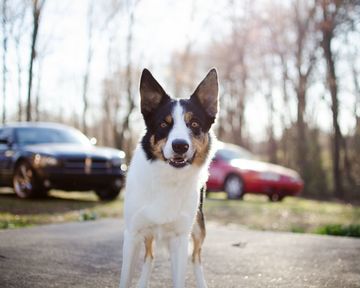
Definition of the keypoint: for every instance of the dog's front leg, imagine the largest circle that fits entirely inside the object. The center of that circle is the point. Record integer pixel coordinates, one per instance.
(179, 252)
(148, 259)
(130, 249)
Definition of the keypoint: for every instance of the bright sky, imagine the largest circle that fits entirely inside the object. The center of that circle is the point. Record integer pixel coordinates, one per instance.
(161, 27)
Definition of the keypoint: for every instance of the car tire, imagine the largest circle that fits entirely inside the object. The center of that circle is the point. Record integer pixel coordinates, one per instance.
(234, 187)
(275, 197)
(26, 183)
(108, 194)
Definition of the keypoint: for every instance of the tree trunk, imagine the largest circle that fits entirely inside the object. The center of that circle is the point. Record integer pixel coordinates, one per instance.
(272, 145)
(284, 138)
(37, 93)
(5, 38)
(36, 21)
(87, 69)
(301, 127)
(241, 101)
(17, 36)
(327, 33)
(131, 104)
(355, 75)
(347, 164)
(85, 100)
(19, 82)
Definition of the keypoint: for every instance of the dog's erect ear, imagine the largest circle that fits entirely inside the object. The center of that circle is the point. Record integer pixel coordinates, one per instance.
(207, 93)
(152, 94)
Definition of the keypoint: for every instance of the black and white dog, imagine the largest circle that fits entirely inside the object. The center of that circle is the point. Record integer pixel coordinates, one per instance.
(163, 198)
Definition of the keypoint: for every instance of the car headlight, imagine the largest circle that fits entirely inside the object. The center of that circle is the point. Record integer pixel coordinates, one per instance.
(44, 161)
(119, 163)
(124, 167)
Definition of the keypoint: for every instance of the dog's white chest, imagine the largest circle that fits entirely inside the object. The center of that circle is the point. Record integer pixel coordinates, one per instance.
(160, 197)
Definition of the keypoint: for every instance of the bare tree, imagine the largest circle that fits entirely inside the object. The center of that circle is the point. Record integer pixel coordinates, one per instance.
(269, 98)
(355, 76)
(355, 156)
(38, 89)
(124, 134)
(99, 16)
(37, 8)
(333, 14)
(90, 52)
(13, 18)
(240, 37)
(232, 56)
(18, 33)
(277, 43)
(327, 30)
(4, 55)
(305, 56)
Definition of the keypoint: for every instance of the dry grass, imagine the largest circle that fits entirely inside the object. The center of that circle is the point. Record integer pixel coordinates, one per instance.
(293, 214)
(59, 207)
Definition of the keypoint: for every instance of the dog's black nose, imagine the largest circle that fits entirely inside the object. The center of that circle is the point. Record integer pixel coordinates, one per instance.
(180, 146)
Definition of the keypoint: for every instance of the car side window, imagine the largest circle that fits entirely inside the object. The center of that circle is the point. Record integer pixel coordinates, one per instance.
(3, 146)
(4, 134)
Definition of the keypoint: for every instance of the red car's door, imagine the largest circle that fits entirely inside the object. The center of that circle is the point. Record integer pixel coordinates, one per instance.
(217, 173)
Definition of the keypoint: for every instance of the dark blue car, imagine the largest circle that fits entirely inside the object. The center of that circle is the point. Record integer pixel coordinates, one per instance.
(37, 157)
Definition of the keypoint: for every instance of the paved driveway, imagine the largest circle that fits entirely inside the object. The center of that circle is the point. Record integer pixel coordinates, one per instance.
(88, 254)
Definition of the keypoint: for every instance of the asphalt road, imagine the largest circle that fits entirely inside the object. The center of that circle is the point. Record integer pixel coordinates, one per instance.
(88, 254)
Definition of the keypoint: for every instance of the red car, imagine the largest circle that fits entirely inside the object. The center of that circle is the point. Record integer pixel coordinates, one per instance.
(235, 171)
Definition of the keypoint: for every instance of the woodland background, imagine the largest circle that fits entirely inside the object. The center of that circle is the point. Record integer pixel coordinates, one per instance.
(289, 74)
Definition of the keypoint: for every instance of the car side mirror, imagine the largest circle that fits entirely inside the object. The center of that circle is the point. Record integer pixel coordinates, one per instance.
(93, 140)
(216, 159)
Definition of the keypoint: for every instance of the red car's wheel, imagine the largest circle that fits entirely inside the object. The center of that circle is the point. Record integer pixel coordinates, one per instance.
(234, 187)
(275, 197)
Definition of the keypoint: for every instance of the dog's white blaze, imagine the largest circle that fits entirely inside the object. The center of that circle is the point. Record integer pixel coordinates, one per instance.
(178, 131)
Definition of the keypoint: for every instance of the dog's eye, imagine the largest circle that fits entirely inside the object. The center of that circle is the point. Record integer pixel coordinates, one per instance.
(163, 124)
(194, 124)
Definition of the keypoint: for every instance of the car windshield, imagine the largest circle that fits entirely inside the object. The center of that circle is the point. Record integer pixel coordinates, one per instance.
(230, 153)
(42, 135)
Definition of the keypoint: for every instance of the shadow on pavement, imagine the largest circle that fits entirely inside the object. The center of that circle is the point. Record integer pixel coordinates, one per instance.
(55, 202)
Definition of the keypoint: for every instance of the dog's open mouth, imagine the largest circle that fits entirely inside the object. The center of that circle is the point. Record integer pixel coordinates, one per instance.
(178, 162)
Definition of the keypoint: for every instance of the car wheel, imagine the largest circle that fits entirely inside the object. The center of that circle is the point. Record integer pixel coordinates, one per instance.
(25, 182)
(275, 197)
(107, 194)
(234, 187)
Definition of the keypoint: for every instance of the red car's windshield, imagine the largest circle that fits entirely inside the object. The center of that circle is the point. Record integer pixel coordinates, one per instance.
(229, 154)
